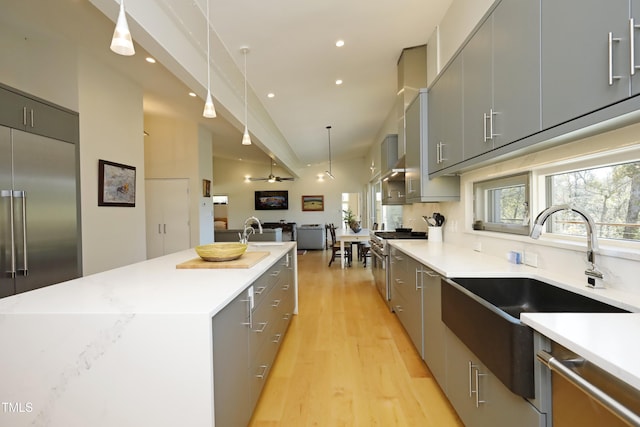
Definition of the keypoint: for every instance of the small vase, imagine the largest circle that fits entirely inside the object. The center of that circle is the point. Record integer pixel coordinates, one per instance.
(355, 226)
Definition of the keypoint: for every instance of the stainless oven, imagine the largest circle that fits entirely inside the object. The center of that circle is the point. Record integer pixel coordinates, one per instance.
(380, 258)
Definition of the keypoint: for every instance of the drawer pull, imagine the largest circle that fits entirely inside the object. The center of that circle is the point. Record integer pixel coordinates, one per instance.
(276, 303)
(276, 338)
(263, 327)
(262, 374)
(260, 290)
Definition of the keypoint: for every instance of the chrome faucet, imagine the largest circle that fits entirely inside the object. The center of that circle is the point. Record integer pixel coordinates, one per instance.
(248, 229)
(592, 244)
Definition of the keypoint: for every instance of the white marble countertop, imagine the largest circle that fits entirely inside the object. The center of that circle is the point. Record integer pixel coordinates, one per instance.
(152, 286)
(608, 340)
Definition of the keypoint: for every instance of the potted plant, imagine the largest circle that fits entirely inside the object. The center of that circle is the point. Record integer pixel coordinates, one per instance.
(351, 221)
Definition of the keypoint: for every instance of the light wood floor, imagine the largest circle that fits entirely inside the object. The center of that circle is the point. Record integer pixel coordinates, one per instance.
(346, 361)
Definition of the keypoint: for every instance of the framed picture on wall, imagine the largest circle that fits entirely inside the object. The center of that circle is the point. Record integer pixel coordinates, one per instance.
(313, 203)
(116, 184)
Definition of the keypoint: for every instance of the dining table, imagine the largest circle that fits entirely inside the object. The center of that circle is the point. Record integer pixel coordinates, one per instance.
(347, 235)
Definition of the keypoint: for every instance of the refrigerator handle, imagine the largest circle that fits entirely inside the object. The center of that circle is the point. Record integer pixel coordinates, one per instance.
(25, 265)
(12, 264)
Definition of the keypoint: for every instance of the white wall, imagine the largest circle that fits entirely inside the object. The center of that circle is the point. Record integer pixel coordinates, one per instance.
(111, 128)
(205, 171)
(229, 178)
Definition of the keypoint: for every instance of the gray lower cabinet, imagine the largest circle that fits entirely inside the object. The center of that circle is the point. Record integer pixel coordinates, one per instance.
(246, 341)
(230, 363)
(433, 327)
(418, 187)
(445, 118)
(587, 66)
(479, 398)
(406, 295)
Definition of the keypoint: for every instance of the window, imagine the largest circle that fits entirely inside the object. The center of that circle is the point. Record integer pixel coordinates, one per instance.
(502, 204)
(610, 194)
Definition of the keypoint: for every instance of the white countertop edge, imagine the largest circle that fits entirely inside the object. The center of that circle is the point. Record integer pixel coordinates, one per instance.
(601, 338)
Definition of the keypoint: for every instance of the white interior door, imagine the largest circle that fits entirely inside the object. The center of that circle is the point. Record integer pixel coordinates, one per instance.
(167, 216)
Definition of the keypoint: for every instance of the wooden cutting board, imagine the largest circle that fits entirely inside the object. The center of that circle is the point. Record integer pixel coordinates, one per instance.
(247, 260)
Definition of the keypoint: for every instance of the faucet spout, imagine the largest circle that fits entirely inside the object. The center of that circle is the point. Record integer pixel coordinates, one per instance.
(592, 244)
(248, 229)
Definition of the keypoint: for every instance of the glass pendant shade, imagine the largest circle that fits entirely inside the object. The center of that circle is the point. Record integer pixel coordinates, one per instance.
(121, 42)
(209, 110)
(246, 139)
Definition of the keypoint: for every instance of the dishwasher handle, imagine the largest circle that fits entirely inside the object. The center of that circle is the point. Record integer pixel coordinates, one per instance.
(591, 390)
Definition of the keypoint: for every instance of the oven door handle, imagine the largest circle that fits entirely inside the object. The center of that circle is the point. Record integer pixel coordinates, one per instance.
(377, 255)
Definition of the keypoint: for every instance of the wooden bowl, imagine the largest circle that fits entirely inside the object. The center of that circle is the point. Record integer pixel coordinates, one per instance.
(221, 251)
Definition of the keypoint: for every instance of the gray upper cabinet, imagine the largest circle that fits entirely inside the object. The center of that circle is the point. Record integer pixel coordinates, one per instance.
(477, 79)
(501, 78)
(634, 31)
(445, 118)
(587, 66)
(516, 71)
(418, 186)
(31, 115)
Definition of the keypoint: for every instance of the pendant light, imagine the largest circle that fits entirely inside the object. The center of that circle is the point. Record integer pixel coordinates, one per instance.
(209, 110)
(246, 139)
(121, 42)
(329, 174)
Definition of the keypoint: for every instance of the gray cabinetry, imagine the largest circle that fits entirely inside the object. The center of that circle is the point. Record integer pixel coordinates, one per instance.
(406, 295)
(445, 118)
(246, 338)
(433, 328)
(418, 187)
(230, 362)
(501, 78)
(480, 399)
(388, 153)
(27, 113)
(586, 67)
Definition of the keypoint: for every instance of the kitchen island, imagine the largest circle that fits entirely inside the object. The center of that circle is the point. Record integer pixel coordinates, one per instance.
(131, 346)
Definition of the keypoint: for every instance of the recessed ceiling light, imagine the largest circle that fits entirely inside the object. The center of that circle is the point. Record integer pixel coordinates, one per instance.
(192, 94)
(271, 95)
(150, 60)
(340, 43)
(338, 82)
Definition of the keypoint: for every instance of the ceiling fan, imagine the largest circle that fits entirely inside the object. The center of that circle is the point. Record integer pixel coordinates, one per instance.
(272, 177)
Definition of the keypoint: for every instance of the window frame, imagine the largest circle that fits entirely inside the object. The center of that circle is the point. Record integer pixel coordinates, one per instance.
(480, 189)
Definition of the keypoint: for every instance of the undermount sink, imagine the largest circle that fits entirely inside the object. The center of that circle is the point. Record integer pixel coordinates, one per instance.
(485, 314)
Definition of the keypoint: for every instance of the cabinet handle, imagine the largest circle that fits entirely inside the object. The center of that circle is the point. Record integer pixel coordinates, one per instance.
(260, 290)
(24, 116)
(632, 45)
(398, 309)
(276, 338)
(478, 375)
(485, 117)
(276, 303)
(263, 327)
(262, 374)
(32, 122)
(250, 323)
(275, 273)
(418, 281)
(439, 152)
(491, 133)
(287, 316)
(285, 287)
(442, 158)
(472, 366)
(611, 40)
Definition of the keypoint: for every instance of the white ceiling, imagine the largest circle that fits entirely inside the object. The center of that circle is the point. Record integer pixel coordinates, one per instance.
(292, 54)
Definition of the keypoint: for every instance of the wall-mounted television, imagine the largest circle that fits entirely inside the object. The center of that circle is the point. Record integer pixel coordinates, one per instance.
(272, 200)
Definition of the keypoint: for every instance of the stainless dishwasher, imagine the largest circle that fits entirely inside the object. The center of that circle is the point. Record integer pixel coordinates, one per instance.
(584, 395)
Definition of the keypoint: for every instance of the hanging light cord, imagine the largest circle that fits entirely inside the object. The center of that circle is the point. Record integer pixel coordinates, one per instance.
(246, 117)
(329, 171)
(208, 52)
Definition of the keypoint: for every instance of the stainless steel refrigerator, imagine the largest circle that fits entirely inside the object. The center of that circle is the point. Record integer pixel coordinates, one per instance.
(39, 232)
